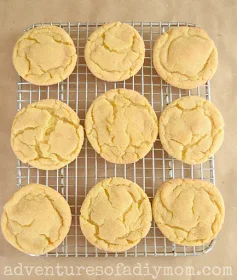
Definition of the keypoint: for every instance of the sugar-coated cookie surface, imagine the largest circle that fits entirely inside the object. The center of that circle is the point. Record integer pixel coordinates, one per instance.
(185, 57)
(121, 126)
(115, 52)
(115, 215)
(36, 219)
(188, 212)
(191, 129)
(45, 55)
(47, 134)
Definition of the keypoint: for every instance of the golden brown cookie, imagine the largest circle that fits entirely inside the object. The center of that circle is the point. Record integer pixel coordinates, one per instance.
(47, 134)
(191, 129)
(188, 212)
(115, 52)
(36, 219)
(45, 55)
(185, 57)
(115, 215)
(121, 126)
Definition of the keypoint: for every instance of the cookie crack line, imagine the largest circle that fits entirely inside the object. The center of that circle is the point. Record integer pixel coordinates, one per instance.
(44, 71)
(49, 41)
(115, 111)
(49, 34)
(185, 148)
(39, 152)
(51, 69)
(92, 132)
(46, 129)
(188, 232)
(198, 190)
(104, 69)
(193, 48)
(122, 217)
(192, 209)
(115, 71)
(123, 237)
(177, 72)
(103, 44)
(21, 225)
(39, 196)
(59, 214)
(130, 57)
(108, 197)
(124, 51)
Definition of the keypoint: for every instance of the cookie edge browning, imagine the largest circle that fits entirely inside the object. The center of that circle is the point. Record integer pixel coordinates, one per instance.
(177, 181)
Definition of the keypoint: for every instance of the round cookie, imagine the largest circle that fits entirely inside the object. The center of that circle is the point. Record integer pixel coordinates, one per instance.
(121, 126)
(47, 134)
(115, 215)
(185, 57)
(115, 52)
(188, 212)
(44, 55)
(36, 219)
(191, 129)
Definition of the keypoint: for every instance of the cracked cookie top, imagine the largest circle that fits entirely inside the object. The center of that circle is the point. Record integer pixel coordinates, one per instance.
(121, 126)
(44, 55)
(191, 129)
(36, 219)
(185, 57)
(115, 215)
(115, 52)
(47, 134)
(188, 212)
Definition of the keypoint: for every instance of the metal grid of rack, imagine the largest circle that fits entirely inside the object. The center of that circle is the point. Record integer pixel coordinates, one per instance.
(77, 178)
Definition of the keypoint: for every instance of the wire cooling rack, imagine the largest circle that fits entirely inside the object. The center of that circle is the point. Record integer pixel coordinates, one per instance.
(76, 179)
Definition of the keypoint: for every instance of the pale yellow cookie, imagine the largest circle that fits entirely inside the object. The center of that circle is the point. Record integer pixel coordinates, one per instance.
(185, 57)
(191, 129)
(115, 52)
(121, 126)
(115, 215)
(44, 55)
(47, 134)
(188, 212)
(36, 219)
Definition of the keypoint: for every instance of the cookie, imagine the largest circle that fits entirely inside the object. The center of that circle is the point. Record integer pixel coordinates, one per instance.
(191, 129)
(185, 57)
(115, 52)
(36, 219)
(115, 215)
(121, 126)
(188, 212)
(44, 55)
(47, 134)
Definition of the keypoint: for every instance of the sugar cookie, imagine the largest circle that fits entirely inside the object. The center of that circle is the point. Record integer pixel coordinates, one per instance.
(185, 57)
(191, 129)
(36, 219)
(115, 52)
(44, 55)
(188, 212)
(121, 126)
(115, 215)
(47, 134)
